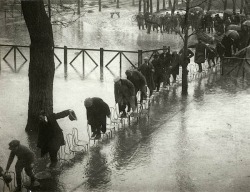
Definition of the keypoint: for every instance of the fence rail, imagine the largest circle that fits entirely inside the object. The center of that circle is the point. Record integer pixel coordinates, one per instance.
(91, 54)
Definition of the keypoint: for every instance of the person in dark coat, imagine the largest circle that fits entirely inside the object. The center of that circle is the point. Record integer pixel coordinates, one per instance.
(147, 69)
(165, 58)
(175, 64)
(200, 54)
(124, 95)
(227, 42)
(159, 71)
(50, 135)
(220, 49)
(211, 56)
(97, 111)
(25, 160)
(139, 83)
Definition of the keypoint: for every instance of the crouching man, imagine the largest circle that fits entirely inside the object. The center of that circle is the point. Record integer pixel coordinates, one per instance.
(97, 111)
(124, 95)
(25, 160)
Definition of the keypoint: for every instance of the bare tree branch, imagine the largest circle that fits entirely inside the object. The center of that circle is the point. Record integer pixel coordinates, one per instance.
(198, 4)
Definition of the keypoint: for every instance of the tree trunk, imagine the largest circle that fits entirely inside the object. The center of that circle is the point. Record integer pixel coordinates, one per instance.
(140, 5)
(41, 66)
(225, 4)
(144, 6)
(185, 47)
(234, 6)
(151, 6)
(173, 7)
(170, 4)
(158, 5)
(117, 4)
(147, 5)
(241, 6)
(209, 4)
(164, 4)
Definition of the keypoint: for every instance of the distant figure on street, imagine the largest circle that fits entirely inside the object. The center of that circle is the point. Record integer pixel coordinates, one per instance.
(97, 111)
(147, 69)
(139, 83)
(124, 95)
(25, 160)
(50, 135)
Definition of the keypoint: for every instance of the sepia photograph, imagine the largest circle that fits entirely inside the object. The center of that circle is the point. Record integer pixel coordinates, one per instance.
(124, 95)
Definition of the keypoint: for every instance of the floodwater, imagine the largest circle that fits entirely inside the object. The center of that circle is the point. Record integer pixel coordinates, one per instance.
(195, 143)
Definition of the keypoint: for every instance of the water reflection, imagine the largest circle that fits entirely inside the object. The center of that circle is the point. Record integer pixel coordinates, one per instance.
(97, 170)
(183, 164)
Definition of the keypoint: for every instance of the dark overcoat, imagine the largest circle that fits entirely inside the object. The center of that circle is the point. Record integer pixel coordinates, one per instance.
(50, 135)
(97, 112)
(148, 71)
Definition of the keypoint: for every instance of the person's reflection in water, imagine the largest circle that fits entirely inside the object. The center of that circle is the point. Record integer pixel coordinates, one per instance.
(97, 172)
(183, 167)
(199, 91)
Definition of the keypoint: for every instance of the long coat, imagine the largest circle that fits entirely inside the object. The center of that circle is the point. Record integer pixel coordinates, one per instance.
(50, 135)
(200, 53)
(159, 69)
(97, 112)
(124, 92)
(175, 64)
(137, 79)
(148, 71)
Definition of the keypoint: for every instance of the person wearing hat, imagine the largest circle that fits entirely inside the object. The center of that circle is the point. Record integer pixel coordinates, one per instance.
(147, 69)
(97, 111)
(25, 160)
(139, 82)
(124, 95)
(50, 135)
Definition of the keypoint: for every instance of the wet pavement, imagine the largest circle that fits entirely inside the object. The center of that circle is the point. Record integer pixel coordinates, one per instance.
(197, 143)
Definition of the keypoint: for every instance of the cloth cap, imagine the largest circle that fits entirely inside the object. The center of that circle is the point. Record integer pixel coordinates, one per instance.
(13, 144)
(72, 115)
(88, 102)
(145, 58)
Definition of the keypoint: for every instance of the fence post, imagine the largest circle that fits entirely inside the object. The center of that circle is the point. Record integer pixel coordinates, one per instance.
(65, 62)
(100, 5)
(83, 64)
(139, 57)
(15, 58)
(101, 64)
(120, 64)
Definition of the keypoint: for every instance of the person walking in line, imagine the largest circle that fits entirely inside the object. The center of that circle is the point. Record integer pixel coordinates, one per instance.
(175, 64)
(159, 71)
(139, 83)
(165, 59)
(200, 54)
(147, 69)
(124, 95)
(97, 111)
(25, 160)
(50, 135)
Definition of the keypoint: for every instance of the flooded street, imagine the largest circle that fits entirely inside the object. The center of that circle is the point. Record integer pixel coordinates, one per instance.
(196, 143)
